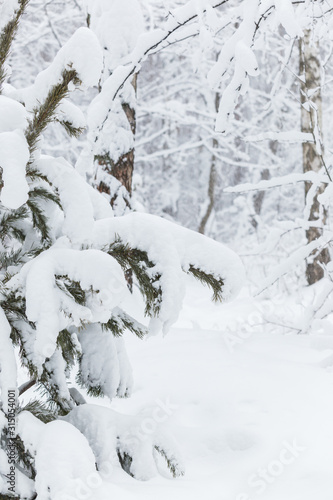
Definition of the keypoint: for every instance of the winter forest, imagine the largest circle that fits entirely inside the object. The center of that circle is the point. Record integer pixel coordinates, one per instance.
(166, 273)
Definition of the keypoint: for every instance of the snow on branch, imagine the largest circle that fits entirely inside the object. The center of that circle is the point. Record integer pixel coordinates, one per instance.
(52, 308)
(81, 203)
(289, 136)
(104, 366)
(82, 54)
(237, 50)
(116, 438)
(294, 260)
(285, 180)
(148, 43)
(47, 442)
(172, 250)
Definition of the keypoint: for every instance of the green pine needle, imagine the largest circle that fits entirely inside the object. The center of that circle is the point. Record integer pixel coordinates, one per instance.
(171, 462)
(40, 410)
(70, 129)
(216, 284)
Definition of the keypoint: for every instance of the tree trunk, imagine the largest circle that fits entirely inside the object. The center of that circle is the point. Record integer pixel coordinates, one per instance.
(212, 180)
(311, 122)
(211, 192)
(122, 168)
(258, 198)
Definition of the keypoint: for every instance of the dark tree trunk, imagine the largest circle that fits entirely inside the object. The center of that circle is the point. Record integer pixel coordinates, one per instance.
(122, 169)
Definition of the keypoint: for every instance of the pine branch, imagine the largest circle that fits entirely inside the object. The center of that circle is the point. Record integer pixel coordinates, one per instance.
(23, 459)
(62, 406)
(69, 347)
(125, 461)
(11, 258)
(11, 218)
(33, 173)
(94, 391)
(121, 321)
(39, 221)
(172, 463)
(40, 410)
(13, 305)
(142, 267)
(44, 194)
(9, 221)
(7, 36)
(44, 113)
(71, 288)
(216, 284)
(70, 129)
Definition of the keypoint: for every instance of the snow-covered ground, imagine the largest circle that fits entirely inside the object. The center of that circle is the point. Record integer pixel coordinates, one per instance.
(252, 418)
(250, 406)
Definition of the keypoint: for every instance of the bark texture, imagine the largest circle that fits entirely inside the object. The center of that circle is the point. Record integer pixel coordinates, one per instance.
(122, 169)
(311, 122)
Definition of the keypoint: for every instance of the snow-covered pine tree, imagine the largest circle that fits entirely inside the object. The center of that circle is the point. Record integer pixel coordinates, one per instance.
(62, 290)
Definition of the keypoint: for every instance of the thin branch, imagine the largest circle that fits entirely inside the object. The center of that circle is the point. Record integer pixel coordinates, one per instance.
(26, 386)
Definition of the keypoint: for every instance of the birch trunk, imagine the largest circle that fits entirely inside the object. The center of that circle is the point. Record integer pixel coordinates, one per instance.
(212, 181)
(311, 122)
